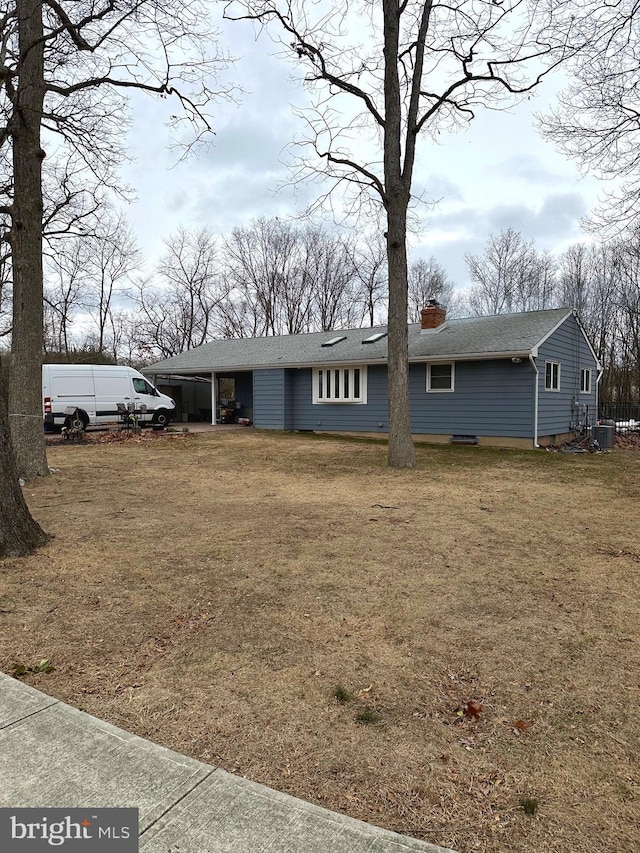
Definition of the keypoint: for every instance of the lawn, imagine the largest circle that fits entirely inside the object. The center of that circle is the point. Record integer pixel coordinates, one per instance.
(451, 652)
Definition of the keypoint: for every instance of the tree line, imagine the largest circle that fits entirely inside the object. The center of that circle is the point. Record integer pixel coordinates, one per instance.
(277, 277)
(598, 279)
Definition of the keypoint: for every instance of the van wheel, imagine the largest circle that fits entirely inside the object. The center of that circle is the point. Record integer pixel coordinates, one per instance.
(161, 419)
(79, 421)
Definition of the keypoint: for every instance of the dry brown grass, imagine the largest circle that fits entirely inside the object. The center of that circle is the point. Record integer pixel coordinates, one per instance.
(213, 592)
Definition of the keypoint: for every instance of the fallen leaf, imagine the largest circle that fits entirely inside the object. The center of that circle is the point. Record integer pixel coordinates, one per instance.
(472, 709)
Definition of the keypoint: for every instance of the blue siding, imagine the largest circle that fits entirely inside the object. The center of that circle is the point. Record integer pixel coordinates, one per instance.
(269, 399)
(489, 398)
(289, 399)
(366, 417)
(569, 348)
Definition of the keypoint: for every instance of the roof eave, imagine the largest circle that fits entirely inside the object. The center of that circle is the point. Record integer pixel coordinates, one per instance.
(474, 356)
(471, 356)
(269, 366)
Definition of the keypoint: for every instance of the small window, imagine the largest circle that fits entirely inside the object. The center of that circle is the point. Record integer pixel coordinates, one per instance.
(339, 385)
(333, 341)
(585, 380)
(552, 376)
(440, 377)
(373, 338)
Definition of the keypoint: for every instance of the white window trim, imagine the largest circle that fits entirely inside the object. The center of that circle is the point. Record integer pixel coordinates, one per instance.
(559, 366)
(357, 401)
(431, 390)
(585, 372)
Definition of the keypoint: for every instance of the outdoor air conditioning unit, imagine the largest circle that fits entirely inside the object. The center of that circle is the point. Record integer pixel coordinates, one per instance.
(603, 434)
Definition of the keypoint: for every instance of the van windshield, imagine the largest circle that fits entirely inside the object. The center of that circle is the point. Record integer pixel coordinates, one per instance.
(141, 386)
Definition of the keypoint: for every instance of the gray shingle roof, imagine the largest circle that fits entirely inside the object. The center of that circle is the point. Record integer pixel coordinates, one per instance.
(482, 337)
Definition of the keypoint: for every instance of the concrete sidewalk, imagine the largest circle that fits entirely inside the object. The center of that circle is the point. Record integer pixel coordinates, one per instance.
(52, 755)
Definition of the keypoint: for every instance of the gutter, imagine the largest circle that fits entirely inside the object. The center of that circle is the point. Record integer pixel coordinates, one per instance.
(152, 370)
(535, 400)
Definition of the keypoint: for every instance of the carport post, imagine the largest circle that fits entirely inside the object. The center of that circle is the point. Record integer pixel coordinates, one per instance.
(214, 397)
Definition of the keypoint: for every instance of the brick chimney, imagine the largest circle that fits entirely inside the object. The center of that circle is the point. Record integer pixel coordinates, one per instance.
(433, 315)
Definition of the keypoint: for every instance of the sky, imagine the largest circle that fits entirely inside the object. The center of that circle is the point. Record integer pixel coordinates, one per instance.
(496, 174)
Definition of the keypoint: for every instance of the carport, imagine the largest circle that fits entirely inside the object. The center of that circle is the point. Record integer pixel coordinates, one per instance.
(211, 397)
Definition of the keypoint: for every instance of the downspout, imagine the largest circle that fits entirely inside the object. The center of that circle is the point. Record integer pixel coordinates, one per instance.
(600, 375)
(536, 391)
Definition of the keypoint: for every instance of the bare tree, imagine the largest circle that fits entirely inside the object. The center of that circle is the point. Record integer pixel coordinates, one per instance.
(177, 314)
(24, 89)
(19, 533)
(265, 272)
(589, 281)
(6, 310)
(427, 280)
(383, 74)
(67, 278)
(285, 279)
(112, 257)
(236, 317)
(87, 273)
(597, 121)
(370, 257)
(327, 261)
(65, 67)
(509, 276)
(576, 279)
(623, 376)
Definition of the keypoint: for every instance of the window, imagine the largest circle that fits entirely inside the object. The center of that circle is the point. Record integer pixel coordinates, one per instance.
(333, 341)
(552, 376)
(440, 377)
(585, 380)
(340, 385)
(141, 386)
(378, 336)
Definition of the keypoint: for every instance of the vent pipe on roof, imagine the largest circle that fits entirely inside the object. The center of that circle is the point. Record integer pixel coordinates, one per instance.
(433, 315)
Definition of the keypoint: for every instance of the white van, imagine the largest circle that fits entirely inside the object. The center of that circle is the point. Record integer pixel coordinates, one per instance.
(100, 393)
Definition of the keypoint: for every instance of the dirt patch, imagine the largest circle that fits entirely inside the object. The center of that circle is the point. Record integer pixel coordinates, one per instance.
(450, 652)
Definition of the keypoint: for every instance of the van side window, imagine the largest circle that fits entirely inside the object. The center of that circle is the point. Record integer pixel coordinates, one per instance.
(141, 386)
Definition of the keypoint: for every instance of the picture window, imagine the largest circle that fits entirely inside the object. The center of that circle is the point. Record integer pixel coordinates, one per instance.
(339, 384)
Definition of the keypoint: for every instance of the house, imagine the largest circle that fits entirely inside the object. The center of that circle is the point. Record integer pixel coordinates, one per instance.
(511, 380)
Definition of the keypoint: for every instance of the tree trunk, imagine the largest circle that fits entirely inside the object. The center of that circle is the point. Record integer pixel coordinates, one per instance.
(20, 535)
(25, 378)
(401, 449)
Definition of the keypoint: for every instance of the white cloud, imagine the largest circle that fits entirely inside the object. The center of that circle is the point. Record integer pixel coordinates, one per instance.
(497, 174)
